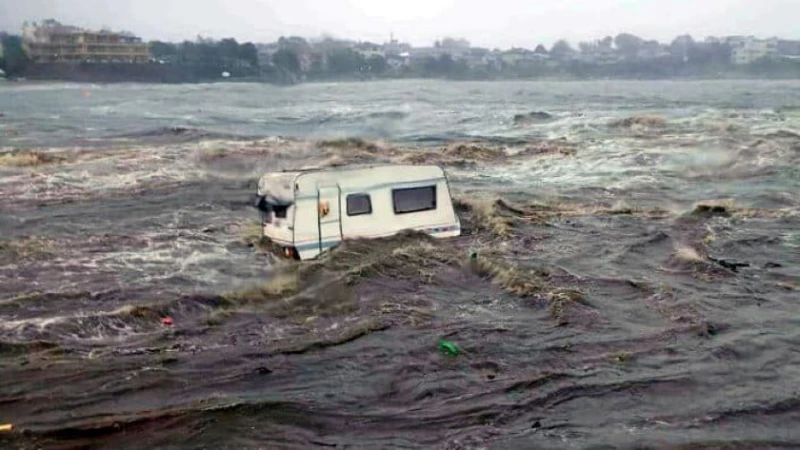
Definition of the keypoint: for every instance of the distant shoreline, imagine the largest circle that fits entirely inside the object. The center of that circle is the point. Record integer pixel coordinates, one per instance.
(123, 80)
(108, 73)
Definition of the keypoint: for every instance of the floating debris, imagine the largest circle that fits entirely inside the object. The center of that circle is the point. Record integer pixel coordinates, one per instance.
(448, 348)
(532, 117)
(641, 121)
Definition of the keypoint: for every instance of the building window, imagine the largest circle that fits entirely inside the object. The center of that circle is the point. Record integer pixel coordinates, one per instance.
(358, 204)
(414, 199)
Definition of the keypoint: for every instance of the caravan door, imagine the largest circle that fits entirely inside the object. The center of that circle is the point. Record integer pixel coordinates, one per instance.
(329, 216)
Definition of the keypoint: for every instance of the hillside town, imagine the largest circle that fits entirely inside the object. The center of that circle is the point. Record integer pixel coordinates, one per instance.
(45, 47)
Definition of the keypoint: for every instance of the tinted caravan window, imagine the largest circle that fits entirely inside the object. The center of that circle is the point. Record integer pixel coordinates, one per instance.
(280, 211)
(414, 199)
(358, 204)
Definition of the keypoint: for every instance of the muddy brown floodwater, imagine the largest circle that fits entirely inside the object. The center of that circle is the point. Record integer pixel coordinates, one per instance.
(621, 282)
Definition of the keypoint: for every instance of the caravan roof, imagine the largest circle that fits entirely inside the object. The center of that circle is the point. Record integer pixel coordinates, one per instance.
(277, 187)
(283, 186)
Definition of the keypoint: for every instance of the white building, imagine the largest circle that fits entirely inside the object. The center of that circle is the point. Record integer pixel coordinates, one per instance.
(395, 47)
(751, 50)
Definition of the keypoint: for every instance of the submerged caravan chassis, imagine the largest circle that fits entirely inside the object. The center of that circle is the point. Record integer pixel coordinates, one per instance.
(307, 212)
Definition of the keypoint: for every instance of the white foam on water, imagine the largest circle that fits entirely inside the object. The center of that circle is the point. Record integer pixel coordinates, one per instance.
(113, 330)
(39, 322)
(131, 170)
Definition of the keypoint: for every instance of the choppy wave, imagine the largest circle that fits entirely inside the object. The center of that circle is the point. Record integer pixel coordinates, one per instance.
(177, 134)
(636, 256)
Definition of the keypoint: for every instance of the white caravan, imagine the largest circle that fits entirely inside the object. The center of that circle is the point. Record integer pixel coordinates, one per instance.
(309, 211)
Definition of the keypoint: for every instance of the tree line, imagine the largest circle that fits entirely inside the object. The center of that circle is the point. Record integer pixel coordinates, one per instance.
(292, 59)
(206, 55)
(14, 59)
(624, 55)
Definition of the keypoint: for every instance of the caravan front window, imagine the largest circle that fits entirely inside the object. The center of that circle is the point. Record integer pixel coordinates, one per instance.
(280, 211)
(272, 210)
(358, 204)
(411, 200)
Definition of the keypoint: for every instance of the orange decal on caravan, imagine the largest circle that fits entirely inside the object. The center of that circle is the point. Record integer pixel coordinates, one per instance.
(324, 208)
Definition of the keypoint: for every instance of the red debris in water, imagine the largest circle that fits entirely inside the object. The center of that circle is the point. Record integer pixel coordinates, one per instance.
(166, 321)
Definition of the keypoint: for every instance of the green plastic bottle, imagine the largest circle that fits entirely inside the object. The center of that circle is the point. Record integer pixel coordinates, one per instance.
(448, 348)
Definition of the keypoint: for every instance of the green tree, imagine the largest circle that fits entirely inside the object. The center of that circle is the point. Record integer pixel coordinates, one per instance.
(443, 66)
(249, 54)
(446, 64)
(681, 46)
(160, 49)
(288, 60)
(316, 69)
(449, 42)
(628, 44)
(294, 43)
(14, 57)
(562, 50)
(345, 62)
(586, 47)
(189, 53)
(709, 53)
(228, 50)
(377, 64)
(210, 54)
(721, 53)
(430, 66)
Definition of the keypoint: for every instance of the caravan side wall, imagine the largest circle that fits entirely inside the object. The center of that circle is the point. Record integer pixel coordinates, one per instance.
(306, 231)
(373, 206)
(420, 209)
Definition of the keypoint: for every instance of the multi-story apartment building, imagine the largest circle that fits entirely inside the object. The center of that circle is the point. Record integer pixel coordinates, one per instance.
(54, 42)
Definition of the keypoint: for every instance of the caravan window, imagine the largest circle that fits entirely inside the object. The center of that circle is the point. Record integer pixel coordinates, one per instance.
(280, 211)
(358, 204)
(414, 199)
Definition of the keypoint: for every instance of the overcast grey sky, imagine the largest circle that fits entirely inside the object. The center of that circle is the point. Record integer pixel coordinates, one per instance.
(490, 23)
